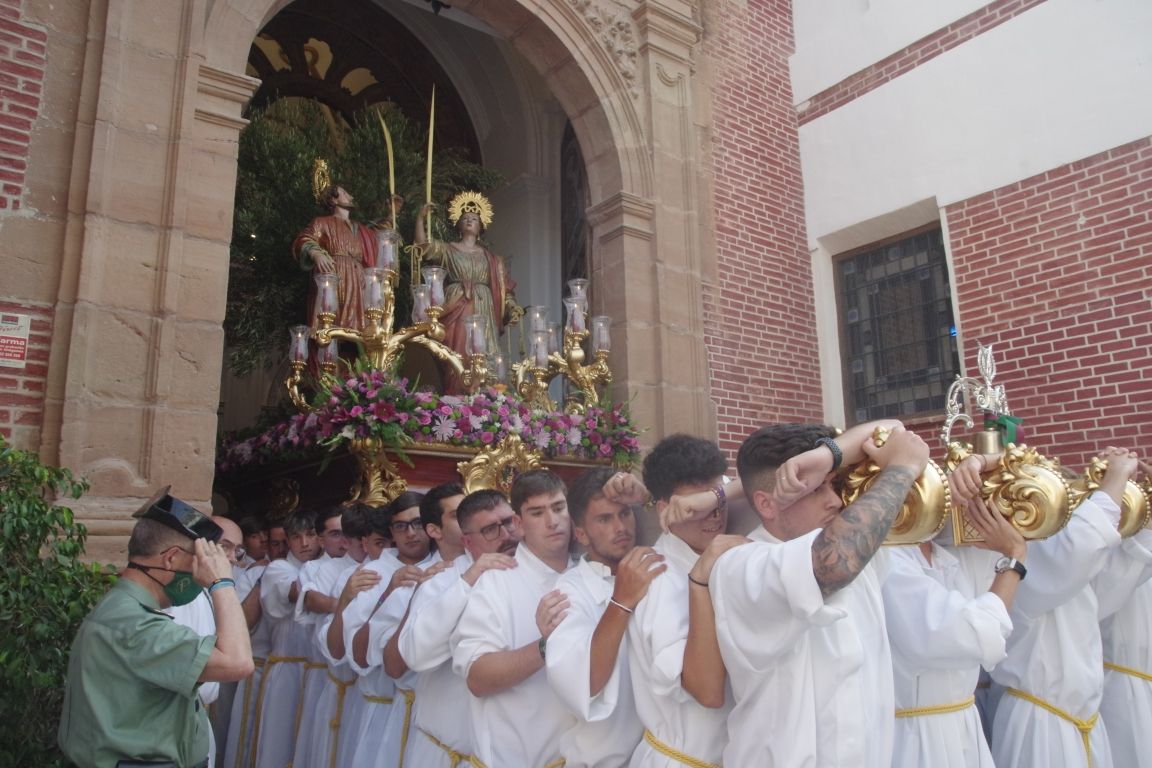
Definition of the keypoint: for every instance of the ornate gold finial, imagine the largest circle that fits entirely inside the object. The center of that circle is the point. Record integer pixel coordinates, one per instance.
(989, 397)
(497, 465)
(321, 178)
(470, 202)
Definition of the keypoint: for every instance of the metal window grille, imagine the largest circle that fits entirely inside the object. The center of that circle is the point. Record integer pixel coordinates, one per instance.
(897, 328)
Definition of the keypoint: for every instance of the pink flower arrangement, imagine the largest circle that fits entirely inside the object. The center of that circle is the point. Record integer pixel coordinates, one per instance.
(372, 404)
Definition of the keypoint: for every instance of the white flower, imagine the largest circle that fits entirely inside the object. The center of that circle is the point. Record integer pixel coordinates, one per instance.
(542, 439)
(574, 436)
(444, 428)
(476, 422)
(348, 432)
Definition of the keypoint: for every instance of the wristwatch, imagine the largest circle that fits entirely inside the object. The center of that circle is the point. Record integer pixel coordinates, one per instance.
(1011, 564)
(543, 644)
(837, 454)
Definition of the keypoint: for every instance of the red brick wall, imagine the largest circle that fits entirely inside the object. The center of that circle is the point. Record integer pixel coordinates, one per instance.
(1054, 271)
(760, 325)
(22, 389)
(21, 82)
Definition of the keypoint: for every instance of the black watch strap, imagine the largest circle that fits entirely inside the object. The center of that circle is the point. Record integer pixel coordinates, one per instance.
(1005, 564)
(837, 454)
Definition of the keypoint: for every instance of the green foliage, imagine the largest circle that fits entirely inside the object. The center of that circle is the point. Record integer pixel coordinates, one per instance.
(45, 592)
(267, 289)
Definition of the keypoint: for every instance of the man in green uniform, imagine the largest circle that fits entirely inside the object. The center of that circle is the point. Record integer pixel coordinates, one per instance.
(130, 699)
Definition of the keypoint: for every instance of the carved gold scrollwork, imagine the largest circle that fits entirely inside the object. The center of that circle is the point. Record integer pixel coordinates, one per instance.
(1028, 489)
(378, 482)
(1136, 506)
(924, 511)
(497, 466)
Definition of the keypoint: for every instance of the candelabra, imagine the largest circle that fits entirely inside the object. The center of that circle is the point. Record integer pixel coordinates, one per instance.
(550, 359)
(380, 344)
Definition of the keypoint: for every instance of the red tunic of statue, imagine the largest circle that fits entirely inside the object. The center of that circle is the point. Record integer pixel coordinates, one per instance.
(353, 247)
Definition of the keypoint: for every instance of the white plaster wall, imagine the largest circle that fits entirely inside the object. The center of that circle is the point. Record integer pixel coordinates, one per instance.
(1060, 82)
(837, 38)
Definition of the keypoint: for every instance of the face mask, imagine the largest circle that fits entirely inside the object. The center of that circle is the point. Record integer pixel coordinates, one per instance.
(183, 588)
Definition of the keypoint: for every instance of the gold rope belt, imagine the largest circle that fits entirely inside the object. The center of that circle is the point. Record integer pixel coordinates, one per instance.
(1084, 726)
(1128, 671)
(455, 757)
(675, 754)
(475, 762)
(270, 662)
(377, 699)
(334, 723)
(242, 742)
(409, 700)
(937, 709)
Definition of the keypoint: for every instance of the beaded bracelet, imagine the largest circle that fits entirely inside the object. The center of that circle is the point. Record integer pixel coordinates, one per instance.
(219, 583)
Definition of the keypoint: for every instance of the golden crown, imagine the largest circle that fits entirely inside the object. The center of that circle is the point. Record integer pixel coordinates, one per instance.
(470, 202)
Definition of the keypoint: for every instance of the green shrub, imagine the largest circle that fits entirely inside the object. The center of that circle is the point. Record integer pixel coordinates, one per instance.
(45, 592)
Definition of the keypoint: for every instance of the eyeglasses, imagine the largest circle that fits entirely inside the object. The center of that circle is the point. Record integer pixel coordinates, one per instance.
(230, 548)
(403, 526)
(491, 532)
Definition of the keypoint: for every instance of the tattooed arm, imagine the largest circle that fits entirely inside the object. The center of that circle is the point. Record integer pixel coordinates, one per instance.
(846, 544)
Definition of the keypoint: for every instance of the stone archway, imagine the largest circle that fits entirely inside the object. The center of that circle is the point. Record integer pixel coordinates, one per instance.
(140, 356)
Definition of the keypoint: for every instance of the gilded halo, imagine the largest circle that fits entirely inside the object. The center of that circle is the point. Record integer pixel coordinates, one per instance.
(470, 202)
(321, 179)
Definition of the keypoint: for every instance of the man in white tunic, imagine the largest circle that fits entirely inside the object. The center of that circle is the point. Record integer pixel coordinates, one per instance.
(500, 641)
(347, 706)
(311, 606)
(239, 752)
(279, 695)
(678, 680)
(1054, 673)
(1126, 631)
(799, 610)
(489, 534)
(587, 661)
(947, 616)
(375, 744)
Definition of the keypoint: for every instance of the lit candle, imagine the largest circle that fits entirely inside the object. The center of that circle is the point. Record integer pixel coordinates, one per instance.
(537, 319)
(374, 288)
(578, 288)
(553, 337)
(434, 277)
(500, 364)
(420, 303)
(575, 314)
(327, 300)
(601, 340)
(540, 348)
(479, 331)
(328, 353)
(299, 345)
(386, 249)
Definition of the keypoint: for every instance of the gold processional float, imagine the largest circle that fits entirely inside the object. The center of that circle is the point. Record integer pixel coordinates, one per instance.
(1031, 490)
(380, 345)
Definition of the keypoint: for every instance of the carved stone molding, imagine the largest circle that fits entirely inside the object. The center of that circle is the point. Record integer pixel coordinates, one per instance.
(617, 33)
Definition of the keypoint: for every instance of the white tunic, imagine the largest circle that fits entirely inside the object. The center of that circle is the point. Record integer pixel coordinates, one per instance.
(812, 678)
(443, 701)
(372, 744)
(317, 739)
(316, 668)
(941, 630)
(198, 616)
(1125, 595)
(245, 703)
(351, 704)
(657, 636)
(398, 728)
(1054, 651)
(284, 670)
(519, 727)
(606, 729)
